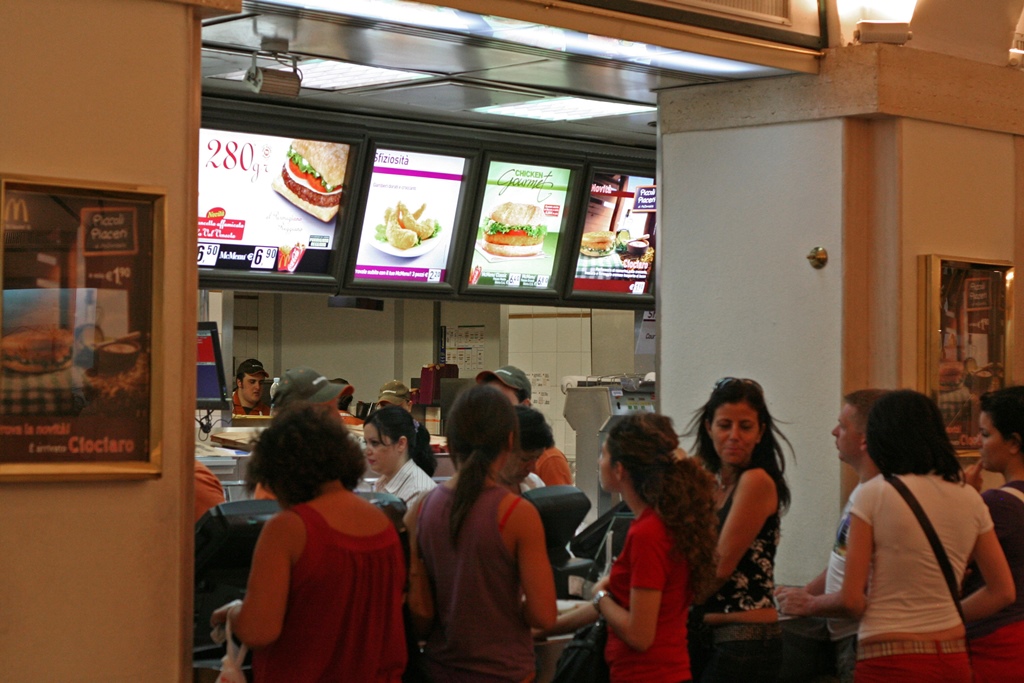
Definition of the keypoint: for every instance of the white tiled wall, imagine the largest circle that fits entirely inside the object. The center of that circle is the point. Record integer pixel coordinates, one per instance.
(548, 344)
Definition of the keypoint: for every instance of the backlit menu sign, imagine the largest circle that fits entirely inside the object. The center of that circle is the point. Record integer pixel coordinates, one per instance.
(521, 219)
(268, 203)
(410, 216)
(616, 250)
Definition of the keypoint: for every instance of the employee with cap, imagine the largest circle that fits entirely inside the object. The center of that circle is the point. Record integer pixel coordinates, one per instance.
(249, 389)
(394, 393)
(552, 466)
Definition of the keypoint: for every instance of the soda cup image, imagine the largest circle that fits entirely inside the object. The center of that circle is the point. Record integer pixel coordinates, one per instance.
(292, 256)
(474, 276)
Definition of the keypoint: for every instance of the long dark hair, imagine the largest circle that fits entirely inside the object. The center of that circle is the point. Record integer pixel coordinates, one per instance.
(1005, 408)
(907, 435)
(768, 453)
(679, 489)
(394, 422)
(479, 425)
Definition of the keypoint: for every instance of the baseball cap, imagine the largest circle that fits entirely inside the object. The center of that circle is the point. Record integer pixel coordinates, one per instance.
(510, 376)
(304, 384)
(251, 366)
(393, 392)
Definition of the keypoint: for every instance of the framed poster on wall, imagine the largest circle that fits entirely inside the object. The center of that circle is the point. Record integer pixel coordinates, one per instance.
(966, 335)
(76, 323)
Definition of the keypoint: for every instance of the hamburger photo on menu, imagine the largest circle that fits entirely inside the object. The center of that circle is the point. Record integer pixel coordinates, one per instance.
(37, 350)
(598, 243)
(514, 230)
(312, 177)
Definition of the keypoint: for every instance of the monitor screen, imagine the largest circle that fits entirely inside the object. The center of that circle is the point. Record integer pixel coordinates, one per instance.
(522, 216)
(615, 253)
(211, 384)
(409, 217)
(269, 204)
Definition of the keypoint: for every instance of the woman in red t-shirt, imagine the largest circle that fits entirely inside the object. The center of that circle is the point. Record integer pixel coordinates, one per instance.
(668, 556)
(325, 592)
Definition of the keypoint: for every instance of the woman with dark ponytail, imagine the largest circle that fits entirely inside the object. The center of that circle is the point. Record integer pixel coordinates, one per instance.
(668, 559)
(394, 451)
(480, 578)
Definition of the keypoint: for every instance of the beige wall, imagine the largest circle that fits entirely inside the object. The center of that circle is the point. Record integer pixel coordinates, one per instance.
(94, 576)
(740, 211)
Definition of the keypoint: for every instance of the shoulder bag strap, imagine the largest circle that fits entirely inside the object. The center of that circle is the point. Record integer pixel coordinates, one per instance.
(933, 538)
(1014, 492)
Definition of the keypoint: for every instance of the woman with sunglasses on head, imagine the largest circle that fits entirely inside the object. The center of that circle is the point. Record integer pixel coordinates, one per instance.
(667, 558)
(910, 628)
(735, 634)
(995, 641)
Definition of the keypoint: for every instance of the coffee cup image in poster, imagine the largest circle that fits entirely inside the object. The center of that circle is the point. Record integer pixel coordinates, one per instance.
(410, 216)
(522, 215)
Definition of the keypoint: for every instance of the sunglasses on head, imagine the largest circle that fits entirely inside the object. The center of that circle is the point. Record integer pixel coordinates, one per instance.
(726, 381)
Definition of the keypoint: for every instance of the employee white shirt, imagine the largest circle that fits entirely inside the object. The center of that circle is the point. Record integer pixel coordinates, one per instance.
(407, 483)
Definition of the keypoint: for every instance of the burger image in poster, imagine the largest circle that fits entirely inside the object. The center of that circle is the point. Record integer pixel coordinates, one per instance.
(514, 230)
(312, 177)
(37, 350)
(597, 244)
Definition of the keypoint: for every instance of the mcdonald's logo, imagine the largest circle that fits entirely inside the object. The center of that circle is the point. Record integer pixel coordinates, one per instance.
(16, 211)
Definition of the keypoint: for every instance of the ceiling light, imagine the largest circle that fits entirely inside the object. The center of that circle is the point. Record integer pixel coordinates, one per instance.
(894, 32)
(564, 109)
(323, 74)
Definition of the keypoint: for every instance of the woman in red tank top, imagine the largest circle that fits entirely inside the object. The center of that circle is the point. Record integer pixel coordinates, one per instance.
(324, 597)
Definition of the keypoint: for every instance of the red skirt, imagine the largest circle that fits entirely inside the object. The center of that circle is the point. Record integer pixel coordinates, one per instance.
(996, 658)
(925, 668)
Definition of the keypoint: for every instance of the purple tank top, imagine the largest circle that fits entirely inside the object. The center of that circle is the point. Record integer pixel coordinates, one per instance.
(479, 632)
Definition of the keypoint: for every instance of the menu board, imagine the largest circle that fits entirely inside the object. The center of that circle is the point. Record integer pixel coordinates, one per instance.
(410, 215)
(268, 203)
(616, 249)
(521, 219)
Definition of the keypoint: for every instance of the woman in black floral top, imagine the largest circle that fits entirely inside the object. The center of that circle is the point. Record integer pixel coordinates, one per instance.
(735, 634)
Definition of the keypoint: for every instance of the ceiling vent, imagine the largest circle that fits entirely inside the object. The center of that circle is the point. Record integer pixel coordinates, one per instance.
(758, 9)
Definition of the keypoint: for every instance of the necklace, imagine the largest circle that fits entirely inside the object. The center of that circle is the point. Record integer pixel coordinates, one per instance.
(722, 486)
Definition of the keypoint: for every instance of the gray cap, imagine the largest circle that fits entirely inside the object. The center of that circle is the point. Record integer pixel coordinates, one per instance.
(510, 376)
(304, 384)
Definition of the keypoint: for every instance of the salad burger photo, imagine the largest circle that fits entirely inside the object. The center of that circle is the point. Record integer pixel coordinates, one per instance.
(514, 230)
(312, 177)
(596, 244)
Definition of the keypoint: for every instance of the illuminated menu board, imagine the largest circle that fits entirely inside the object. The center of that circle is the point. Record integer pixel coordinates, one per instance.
(520, 222)
(267, 203)
(411, 209)
(616, 249)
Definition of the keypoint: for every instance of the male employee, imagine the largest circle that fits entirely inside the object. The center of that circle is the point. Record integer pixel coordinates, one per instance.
(552, 466)
(249, 389)
(394, 393)
(820, 597)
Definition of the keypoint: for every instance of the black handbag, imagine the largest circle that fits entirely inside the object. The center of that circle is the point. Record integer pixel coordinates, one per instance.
(582, 660)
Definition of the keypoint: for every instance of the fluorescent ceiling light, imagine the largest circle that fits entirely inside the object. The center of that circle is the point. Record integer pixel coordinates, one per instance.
(564, 109)
(537, 35)
(322, 74)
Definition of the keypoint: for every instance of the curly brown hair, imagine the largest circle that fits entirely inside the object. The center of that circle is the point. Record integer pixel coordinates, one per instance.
(679, 489)
(304, 447)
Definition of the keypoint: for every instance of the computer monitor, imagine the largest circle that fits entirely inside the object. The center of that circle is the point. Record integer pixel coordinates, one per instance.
(211, 381)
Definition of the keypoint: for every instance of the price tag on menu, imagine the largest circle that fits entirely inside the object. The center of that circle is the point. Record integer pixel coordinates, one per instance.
(264, 258)
(208, 254)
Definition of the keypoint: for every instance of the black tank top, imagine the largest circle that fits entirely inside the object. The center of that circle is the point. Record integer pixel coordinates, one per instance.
(752, 585)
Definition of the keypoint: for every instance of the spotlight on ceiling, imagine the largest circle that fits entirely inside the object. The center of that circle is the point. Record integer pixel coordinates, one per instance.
(284, 82)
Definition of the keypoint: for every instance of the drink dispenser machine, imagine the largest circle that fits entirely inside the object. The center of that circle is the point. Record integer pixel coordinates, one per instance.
(592, 407)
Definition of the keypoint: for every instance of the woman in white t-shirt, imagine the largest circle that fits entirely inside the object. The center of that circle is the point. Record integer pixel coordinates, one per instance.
(391, 451)
(909, 626)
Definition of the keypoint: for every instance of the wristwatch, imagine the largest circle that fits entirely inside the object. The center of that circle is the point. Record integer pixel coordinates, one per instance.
(596, 600)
